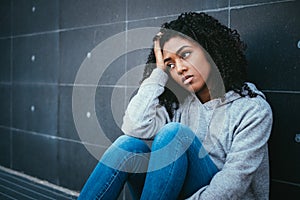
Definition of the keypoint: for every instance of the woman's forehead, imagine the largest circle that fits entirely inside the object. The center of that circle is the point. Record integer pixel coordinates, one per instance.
(177, 42)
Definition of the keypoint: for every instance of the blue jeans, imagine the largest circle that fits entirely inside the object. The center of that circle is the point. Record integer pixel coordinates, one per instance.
(176, 167)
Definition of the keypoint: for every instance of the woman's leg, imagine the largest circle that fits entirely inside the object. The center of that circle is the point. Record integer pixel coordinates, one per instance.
(175, 168)
(200, 169)
(124, 160)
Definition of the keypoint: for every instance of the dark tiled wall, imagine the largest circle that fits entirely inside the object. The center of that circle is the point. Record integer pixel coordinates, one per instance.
(44, 43)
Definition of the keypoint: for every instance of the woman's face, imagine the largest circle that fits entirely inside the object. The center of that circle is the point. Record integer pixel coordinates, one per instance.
(188, 64)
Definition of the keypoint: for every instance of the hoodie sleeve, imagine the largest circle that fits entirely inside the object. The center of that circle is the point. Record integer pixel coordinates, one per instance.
(144, 115)
(247, 153)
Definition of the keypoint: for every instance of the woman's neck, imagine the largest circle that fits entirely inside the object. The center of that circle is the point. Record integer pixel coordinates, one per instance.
(203, 95)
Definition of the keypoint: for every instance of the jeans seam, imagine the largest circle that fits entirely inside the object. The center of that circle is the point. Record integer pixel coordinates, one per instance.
(114, 176)
(173, 163)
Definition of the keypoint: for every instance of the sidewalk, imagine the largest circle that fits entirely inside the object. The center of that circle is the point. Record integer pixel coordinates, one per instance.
(15, 185)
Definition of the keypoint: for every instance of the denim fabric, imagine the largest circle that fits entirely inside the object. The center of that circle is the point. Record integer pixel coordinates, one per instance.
(175, 168)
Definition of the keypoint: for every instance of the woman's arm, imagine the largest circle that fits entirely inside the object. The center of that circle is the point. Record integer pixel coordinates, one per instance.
(144, 115)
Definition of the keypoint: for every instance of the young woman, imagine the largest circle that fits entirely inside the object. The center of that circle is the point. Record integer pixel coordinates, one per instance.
(208, 128)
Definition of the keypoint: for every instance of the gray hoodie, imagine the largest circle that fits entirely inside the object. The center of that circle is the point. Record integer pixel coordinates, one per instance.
(234, 130)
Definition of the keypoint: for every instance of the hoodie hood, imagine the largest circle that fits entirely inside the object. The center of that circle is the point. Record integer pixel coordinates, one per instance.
(254, 89)
(231, 96)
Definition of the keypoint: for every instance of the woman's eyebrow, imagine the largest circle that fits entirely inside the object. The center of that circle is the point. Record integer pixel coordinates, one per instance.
(167, 59)
(181, 48)
(177, 52)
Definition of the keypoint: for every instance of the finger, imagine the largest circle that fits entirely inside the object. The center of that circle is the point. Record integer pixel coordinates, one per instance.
(157, 36)
(158, 54)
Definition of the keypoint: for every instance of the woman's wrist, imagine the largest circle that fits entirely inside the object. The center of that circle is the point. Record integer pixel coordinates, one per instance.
(159, 76)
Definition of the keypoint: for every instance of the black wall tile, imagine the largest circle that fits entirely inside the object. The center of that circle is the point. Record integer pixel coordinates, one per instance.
(284, 150)
(36, 58)
(5, 16)
(91, 12)
(30, 16)
(34, 108)
(5, 150)
(221, 16)
(213, 4)
(110, 108)
(75, 46)
(149, 22)
(75, 164)
(114, 71)
(95, 122)
(35, 155)
(139, 9)
(66, 126)
(75, 161)
(280, 190)
(135, 64)
(5, 60)
(5, 105)
(271, 33)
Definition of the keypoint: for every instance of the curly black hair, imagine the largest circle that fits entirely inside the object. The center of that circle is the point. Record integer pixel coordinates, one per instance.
(222, 44)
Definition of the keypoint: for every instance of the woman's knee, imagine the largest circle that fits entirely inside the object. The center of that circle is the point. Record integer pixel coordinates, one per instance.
(168, 129)
(172, 131)
(126, 154)
(130, 144)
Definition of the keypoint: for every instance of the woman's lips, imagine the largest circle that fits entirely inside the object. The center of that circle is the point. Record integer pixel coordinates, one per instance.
(187, 79)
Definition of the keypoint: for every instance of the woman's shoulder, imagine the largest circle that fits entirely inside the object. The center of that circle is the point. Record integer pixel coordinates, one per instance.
(257, 105)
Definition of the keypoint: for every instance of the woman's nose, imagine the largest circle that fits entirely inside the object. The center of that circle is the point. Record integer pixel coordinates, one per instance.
(180, 67)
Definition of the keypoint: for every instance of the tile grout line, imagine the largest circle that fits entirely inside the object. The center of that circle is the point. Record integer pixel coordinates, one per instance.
(126, 46)
(229, 14)
(260, 4)
(66, 84)
(126, 67)
(120, 86)
(286, 182)
(45, 135)
(11, 91)
(281, 91)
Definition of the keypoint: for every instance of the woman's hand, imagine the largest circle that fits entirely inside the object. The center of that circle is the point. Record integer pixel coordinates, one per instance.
(158, 53)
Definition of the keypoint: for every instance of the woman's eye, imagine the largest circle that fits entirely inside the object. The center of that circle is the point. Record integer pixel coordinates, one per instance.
(185, 54)
(170, 65)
